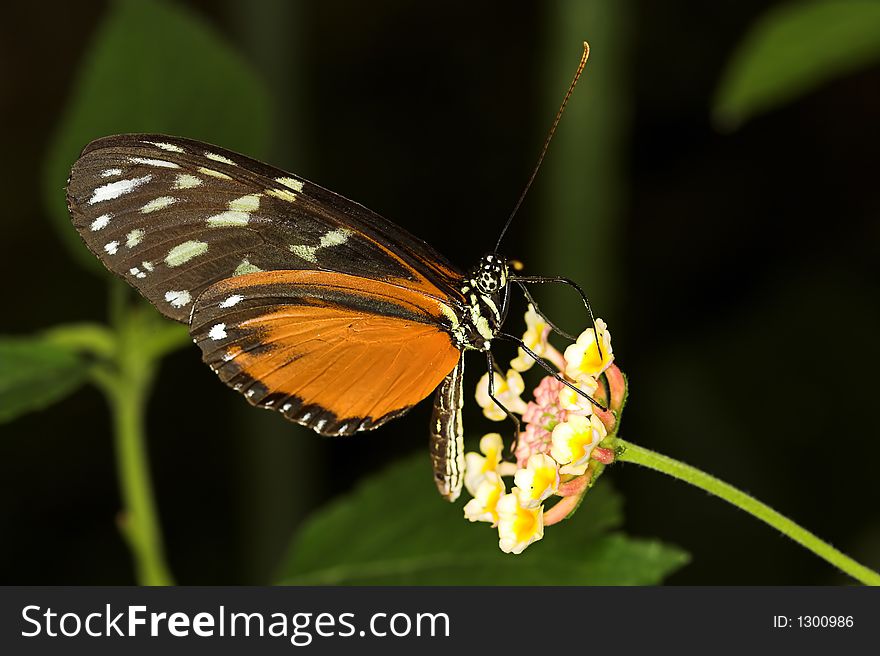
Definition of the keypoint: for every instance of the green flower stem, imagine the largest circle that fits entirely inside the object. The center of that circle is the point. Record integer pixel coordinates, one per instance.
(629, 452)
(127, 387)
(139, 523)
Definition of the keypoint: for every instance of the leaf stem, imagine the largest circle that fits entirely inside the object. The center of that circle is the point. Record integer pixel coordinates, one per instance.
(630, 452)
(138, 522)
(127, 389)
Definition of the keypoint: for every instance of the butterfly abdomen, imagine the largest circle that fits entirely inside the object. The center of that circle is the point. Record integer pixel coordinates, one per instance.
(447, 434)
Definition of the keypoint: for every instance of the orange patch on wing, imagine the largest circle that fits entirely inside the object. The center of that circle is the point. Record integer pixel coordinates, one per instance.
(354, 365)
(393, 291)
(325, 348)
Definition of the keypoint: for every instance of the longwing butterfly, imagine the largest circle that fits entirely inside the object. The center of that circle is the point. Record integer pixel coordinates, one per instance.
(304, 301)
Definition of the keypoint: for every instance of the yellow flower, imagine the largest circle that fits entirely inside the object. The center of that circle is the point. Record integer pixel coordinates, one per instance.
(573, 440)
(582, 358)
(518, 527)
(507, 391)
(484, 506)
(573, 402)
(535, 338)
(537, 481)
(477, 466)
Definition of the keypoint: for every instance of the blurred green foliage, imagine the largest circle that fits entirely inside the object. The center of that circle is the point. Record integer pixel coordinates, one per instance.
(34, 373)
(395, 530)
(582, 186)
(793, 49)
(155, 67)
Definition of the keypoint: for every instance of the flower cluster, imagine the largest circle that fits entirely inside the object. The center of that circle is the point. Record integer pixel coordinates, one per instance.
(558, 452)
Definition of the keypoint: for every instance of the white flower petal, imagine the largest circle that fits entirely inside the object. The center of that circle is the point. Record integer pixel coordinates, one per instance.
(518, 527)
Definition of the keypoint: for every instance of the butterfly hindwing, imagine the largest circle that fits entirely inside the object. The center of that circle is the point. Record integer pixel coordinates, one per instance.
(330, 351)
(174, 216)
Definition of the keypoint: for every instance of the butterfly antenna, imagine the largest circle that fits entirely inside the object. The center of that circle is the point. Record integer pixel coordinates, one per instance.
(577, 75)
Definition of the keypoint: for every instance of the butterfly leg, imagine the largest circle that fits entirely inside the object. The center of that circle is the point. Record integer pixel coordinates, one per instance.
(531, 301)
(519, 280)
(549, 368)
(490, 362)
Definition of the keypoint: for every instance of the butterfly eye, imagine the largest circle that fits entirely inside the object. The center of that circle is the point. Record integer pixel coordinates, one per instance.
(490, 275)
(488, 282)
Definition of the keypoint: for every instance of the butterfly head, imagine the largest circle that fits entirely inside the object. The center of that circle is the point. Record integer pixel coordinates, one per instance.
(491, 273)
(485, 290)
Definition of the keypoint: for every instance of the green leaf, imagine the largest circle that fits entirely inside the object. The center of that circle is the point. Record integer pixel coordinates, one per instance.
(154, 335)
(395, 530)
(155, 67)
(793, 49)
(36, 372)
(92, 338)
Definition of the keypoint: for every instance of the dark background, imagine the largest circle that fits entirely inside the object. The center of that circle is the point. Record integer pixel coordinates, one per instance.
(738, 274)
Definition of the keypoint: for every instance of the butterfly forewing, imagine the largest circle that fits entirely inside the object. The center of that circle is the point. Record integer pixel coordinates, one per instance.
(305, 302)
(173, 216)
(329, 351)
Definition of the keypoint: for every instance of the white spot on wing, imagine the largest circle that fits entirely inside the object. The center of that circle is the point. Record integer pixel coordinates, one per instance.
(247, 203)
(217, 332)
(116, 189)
(101, 222)
(148, 161)
(213, 173)
(228, 219)
(310, 253)
(147, 265)
(185, 252)
(232, 300)
(246, 267)
(178, 298)
(219, 158)
(109, 173)
(112, 247)
(307, 253)
(159, 203)
(165, 146)
(134, 237)
(186, 181)
(282, 194)
(293, 183)
(335, 237)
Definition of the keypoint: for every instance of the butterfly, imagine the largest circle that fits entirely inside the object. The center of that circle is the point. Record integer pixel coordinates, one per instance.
(305, 302)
